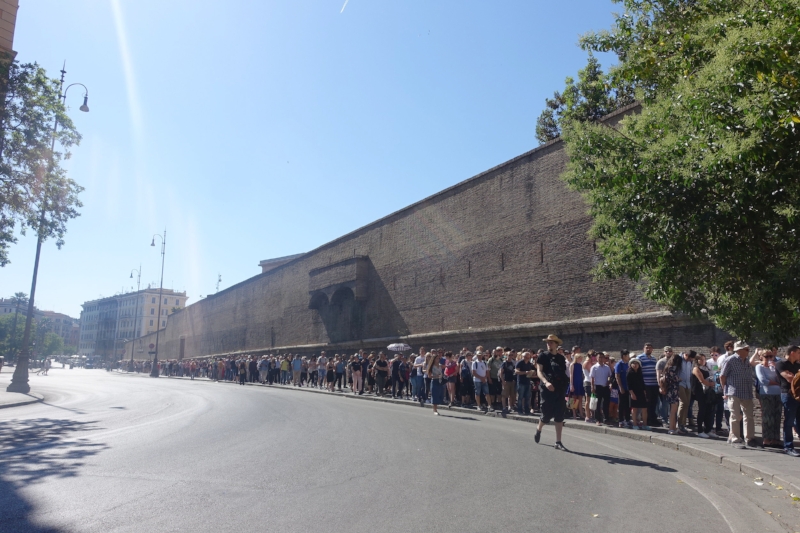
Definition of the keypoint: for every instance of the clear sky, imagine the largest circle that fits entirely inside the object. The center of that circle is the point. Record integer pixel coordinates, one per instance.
(257, 129)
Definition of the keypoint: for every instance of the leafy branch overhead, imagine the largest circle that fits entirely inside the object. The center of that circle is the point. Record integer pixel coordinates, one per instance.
(32, 180)
(696, 194)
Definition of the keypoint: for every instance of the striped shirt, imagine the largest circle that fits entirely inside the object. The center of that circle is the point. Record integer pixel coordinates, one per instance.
(738, 377)
(648, 370)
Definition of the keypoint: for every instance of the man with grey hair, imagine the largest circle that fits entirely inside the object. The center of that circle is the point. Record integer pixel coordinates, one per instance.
(736, 378)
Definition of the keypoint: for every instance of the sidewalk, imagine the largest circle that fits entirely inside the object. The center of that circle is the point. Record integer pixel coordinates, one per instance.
(765, 465)
(15, 399)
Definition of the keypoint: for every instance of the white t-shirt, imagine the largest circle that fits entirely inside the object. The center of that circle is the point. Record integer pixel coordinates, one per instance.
(420, 360)
(479, 367)
(601, 375)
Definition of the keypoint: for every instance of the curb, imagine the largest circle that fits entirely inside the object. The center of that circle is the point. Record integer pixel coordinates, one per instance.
(658, 438)
(36, 399)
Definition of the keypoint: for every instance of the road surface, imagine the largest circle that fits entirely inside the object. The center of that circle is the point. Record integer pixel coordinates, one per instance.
(109, 452)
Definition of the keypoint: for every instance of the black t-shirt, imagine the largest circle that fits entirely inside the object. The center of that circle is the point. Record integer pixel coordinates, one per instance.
(396, 366)
(382, 366)
(523, 366)
(554, 368)
(785, 366)
(507, 368)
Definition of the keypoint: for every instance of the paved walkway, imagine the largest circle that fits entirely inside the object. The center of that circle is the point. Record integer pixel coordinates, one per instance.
(15, 399)
(765, 465)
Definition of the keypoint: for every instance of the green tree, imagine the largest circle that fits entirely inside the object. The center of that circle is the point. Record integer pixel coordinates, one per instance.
(10, 333)
(695, 196)
(588, 99)
(52, 344)
(34, 190)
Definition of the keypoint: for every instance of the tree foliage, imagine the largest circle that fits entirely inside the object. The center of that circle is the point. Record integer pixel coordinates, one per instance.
(34, 189)
(696, 195)
(588, 99)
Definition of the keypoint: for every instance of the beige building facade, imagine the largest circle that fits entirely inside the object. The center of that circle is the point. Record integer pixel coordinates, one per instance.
(108, 323)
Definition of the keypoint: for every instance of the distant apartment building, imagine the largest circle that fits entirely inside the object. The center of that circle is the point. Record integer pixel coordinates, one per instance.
(62, 325)
(108, 323)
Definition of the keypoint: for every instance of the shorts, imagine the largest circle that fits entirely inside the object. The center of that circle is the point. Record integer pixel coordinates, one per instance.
(509, 389)
(452, 379)
(553, 405)
(481, 387)
(495, 388)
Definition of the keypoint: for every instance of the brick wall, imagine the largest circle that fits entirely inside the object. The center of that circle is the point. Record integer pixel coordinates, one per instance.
(506, 247)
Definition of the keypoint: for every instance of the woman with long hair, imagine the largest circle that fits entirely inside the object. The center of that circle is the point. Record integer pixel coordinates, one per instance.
(703, 392)
(591, 359)
(450, 376)
(670, 388)
(576, 390)
(355, 372)
(434, 373)
(638, 398)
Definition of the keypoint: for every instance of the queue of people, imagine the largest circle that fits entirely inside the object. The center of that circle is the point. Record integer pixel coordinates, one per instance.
(687, 392)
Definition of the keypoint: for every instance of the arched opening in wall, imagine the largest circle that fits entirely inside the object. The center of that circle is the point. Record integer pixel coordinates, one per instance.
(343, 317)
(319, 301)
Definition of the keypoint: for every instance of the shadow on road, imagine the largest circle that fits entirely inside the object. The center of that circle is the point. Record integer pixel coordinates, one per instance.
(33, 451)
(625, 461)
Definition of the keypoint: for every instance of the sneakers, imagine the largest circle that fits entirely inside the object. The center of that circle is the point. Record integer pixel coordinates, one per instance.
(635, 427)
(792, 452)
(559, 446)
(703, 435)
(646, 428)
(537, 437)
(712, 434)
(623, 425)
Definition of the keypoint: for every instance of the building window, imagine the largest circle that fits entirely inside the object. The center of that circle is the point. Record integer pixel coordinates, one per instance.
(164, 312)
(152, 311)
(163, 323)
(177, 302)
(151, 322)
(165, 301)
(153, 300)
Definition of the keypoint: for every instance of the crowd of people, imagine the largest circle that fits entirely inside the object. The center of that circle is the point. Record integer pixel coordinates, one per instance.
(687, 392)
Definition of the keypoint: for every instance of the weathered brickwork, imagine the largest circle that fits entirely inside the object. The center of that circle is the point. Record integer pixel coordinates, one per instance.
(506, 247)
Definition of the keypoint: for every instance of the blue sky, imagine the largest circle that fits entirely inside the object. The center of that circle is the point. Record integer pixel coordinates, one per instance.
(257, 129)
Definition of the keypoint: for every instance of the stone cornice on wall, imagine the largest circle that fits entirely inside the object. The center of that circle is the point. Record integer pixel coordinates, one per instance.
(598, 324)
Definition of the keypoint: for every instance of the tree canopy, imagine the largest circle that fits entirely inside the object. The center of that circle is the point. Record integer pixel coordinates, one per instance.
(695, 195)
(35, 192)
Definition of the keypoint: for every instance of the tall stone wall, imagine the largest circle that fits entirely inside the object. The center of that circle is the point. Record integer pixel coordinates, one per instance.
(503, 256)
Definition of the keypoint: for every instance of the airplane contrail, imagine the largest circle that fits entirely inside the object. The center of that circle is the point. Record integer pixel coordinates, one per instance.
(344, 6)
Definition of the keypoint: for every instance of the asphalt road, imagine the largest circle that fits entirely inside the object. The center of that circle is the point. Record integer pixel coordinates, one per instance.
(117, 453)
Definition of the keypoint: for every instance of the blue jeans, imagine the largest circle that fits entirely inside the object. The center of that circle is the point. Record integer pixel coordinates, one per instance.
(417, 386)
(663, 409)
(790, 406)
(285, 375)
(524, 397)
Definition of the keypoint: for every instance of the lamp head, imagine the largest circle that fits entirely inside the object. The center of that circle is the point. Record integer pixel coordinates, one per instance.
(85, 107)
(131, 275)
(153, 242)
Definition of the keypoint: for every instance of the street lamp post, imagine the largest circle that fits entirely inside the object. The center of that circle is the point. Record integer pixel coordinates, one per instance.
(19, 381)
(154, 371)
(136, 311)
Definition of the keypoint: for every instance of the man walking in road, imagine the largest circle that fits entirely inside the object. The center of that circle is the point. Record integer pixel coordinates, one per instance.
(552, 370)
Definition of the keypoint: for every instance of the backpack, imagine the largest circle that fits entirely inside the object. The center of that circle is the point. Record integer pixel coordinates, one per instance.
(795, 386)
